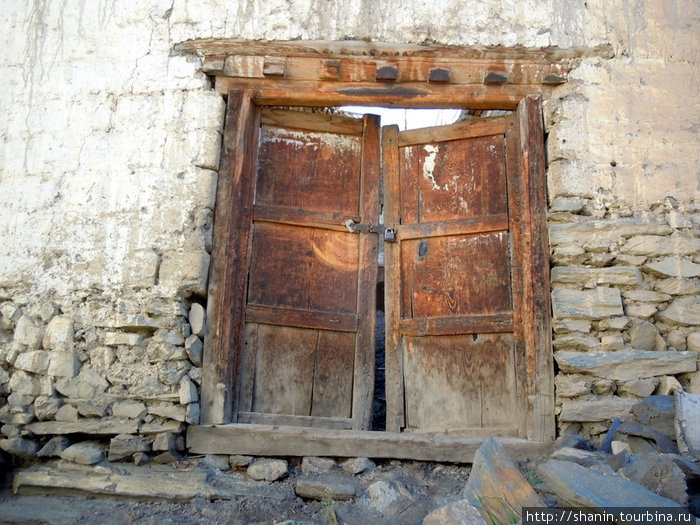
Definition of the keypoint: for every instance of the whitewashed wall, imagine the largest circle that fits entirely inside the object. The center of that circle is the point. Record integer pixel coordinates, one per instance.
(109, 141)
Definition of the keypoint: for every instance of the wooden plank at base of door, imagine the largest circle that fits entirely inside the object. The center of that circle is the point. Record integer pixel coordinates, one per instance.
(265, 440)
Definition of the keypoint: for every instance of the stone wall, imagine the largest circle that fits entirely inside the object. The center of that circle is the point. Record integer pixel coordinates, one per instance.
(626, 306)
(108, 156)
(99, 367)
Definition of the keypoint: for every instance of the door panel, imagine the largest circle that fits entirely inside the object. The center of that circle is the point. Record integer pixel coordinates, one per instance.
(452, 322)
(295, 267)
(455, 275)
(293, 170)
(309, 330)
(462, 178)
(460, 384)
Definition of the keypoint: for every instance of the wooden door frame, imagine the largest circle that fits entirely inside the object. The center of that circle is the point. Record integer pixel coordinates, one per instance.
(408, 80)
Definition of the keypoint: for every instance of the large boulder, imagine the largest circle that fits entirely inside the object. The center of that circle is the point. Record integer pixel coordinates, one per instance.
(577, 486)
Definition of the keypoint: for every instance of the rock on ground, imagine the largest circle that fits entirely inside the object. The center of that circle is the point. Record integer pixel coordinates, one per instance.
(316, 465)
(458, 513)
(577, 486)
(357, 465)
(659, 474)
(333, 487)
(687, 423)
(267, 469)
(496, 486)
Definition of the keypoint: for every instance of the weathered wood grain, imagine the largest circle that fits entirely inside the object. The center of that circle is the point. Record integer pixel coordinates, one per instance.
(392, 283)
(515, 226)
(284, 370)
(246, 376)
(468, 128)
(363, 382)
(259, 418)
(460, 179)
(153, 482)
(232, 224)
(310, 170)
(318, 122)
(310, 281)
(342, 322)
(464, 324)
(459, 381)
(536, 297)
(453, 227)
(455, 301)
(405, 95)
(332, 394)
(265, 440)
(394, 69)
(295, 267)
(456, 275)
(298, 217)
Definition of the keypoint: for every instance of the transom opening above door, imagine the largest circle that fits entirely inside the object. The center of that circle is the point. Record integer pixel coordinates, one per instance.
(409, 118)
(289, 355)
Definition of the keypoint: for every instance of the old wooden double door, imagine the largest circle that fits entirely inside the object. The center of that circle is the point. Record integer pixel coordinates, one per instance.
(452, 207)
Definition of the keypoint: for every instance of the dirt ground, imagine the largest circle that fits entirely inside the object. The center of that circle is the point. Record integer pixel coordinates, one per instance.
(421, 486)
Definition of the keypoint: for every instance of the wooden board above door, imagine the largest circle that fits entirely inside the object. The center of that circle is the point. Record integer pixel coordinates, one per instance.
(352, 72)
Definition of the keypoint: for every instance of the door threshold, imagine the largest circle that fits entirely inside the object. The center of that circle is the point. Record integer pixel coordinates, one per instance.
(282, 440)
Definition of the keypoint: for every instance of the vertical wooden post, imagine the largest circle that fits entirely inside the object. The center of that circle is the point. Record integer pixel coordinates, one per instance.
(227, 275)
(392, 302)
(363, 381)
(535, 260)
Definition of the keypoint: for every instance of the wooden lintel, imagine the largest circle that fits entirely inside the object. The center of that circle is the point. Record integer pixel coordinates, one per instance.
(400, 70)
(407, 95)
(263, 440)
(358, 64)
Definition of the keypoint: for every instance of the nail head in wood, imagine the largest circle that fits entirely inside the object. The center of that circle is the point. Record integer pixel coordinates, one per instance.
(495, 78)
(553, 78)
(274, 67)
(387, 74)
(440, 76)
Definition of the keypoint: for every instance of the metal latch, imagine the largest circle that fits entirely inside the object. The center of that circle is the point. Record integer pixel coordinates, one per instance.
(389, 234)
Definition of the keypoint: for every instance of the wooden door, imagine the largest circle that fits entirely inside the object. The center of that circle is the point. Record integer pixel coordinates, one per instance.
(457, 352)
(307, 356)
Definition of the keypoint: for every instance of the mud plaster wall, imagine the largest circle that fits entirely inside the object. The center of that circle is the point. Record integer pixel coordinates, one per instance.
(108, 156)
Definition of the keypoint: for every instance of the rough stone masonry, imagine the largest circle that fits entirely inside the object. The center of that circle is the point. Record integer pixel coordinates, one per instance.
(108, 169)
